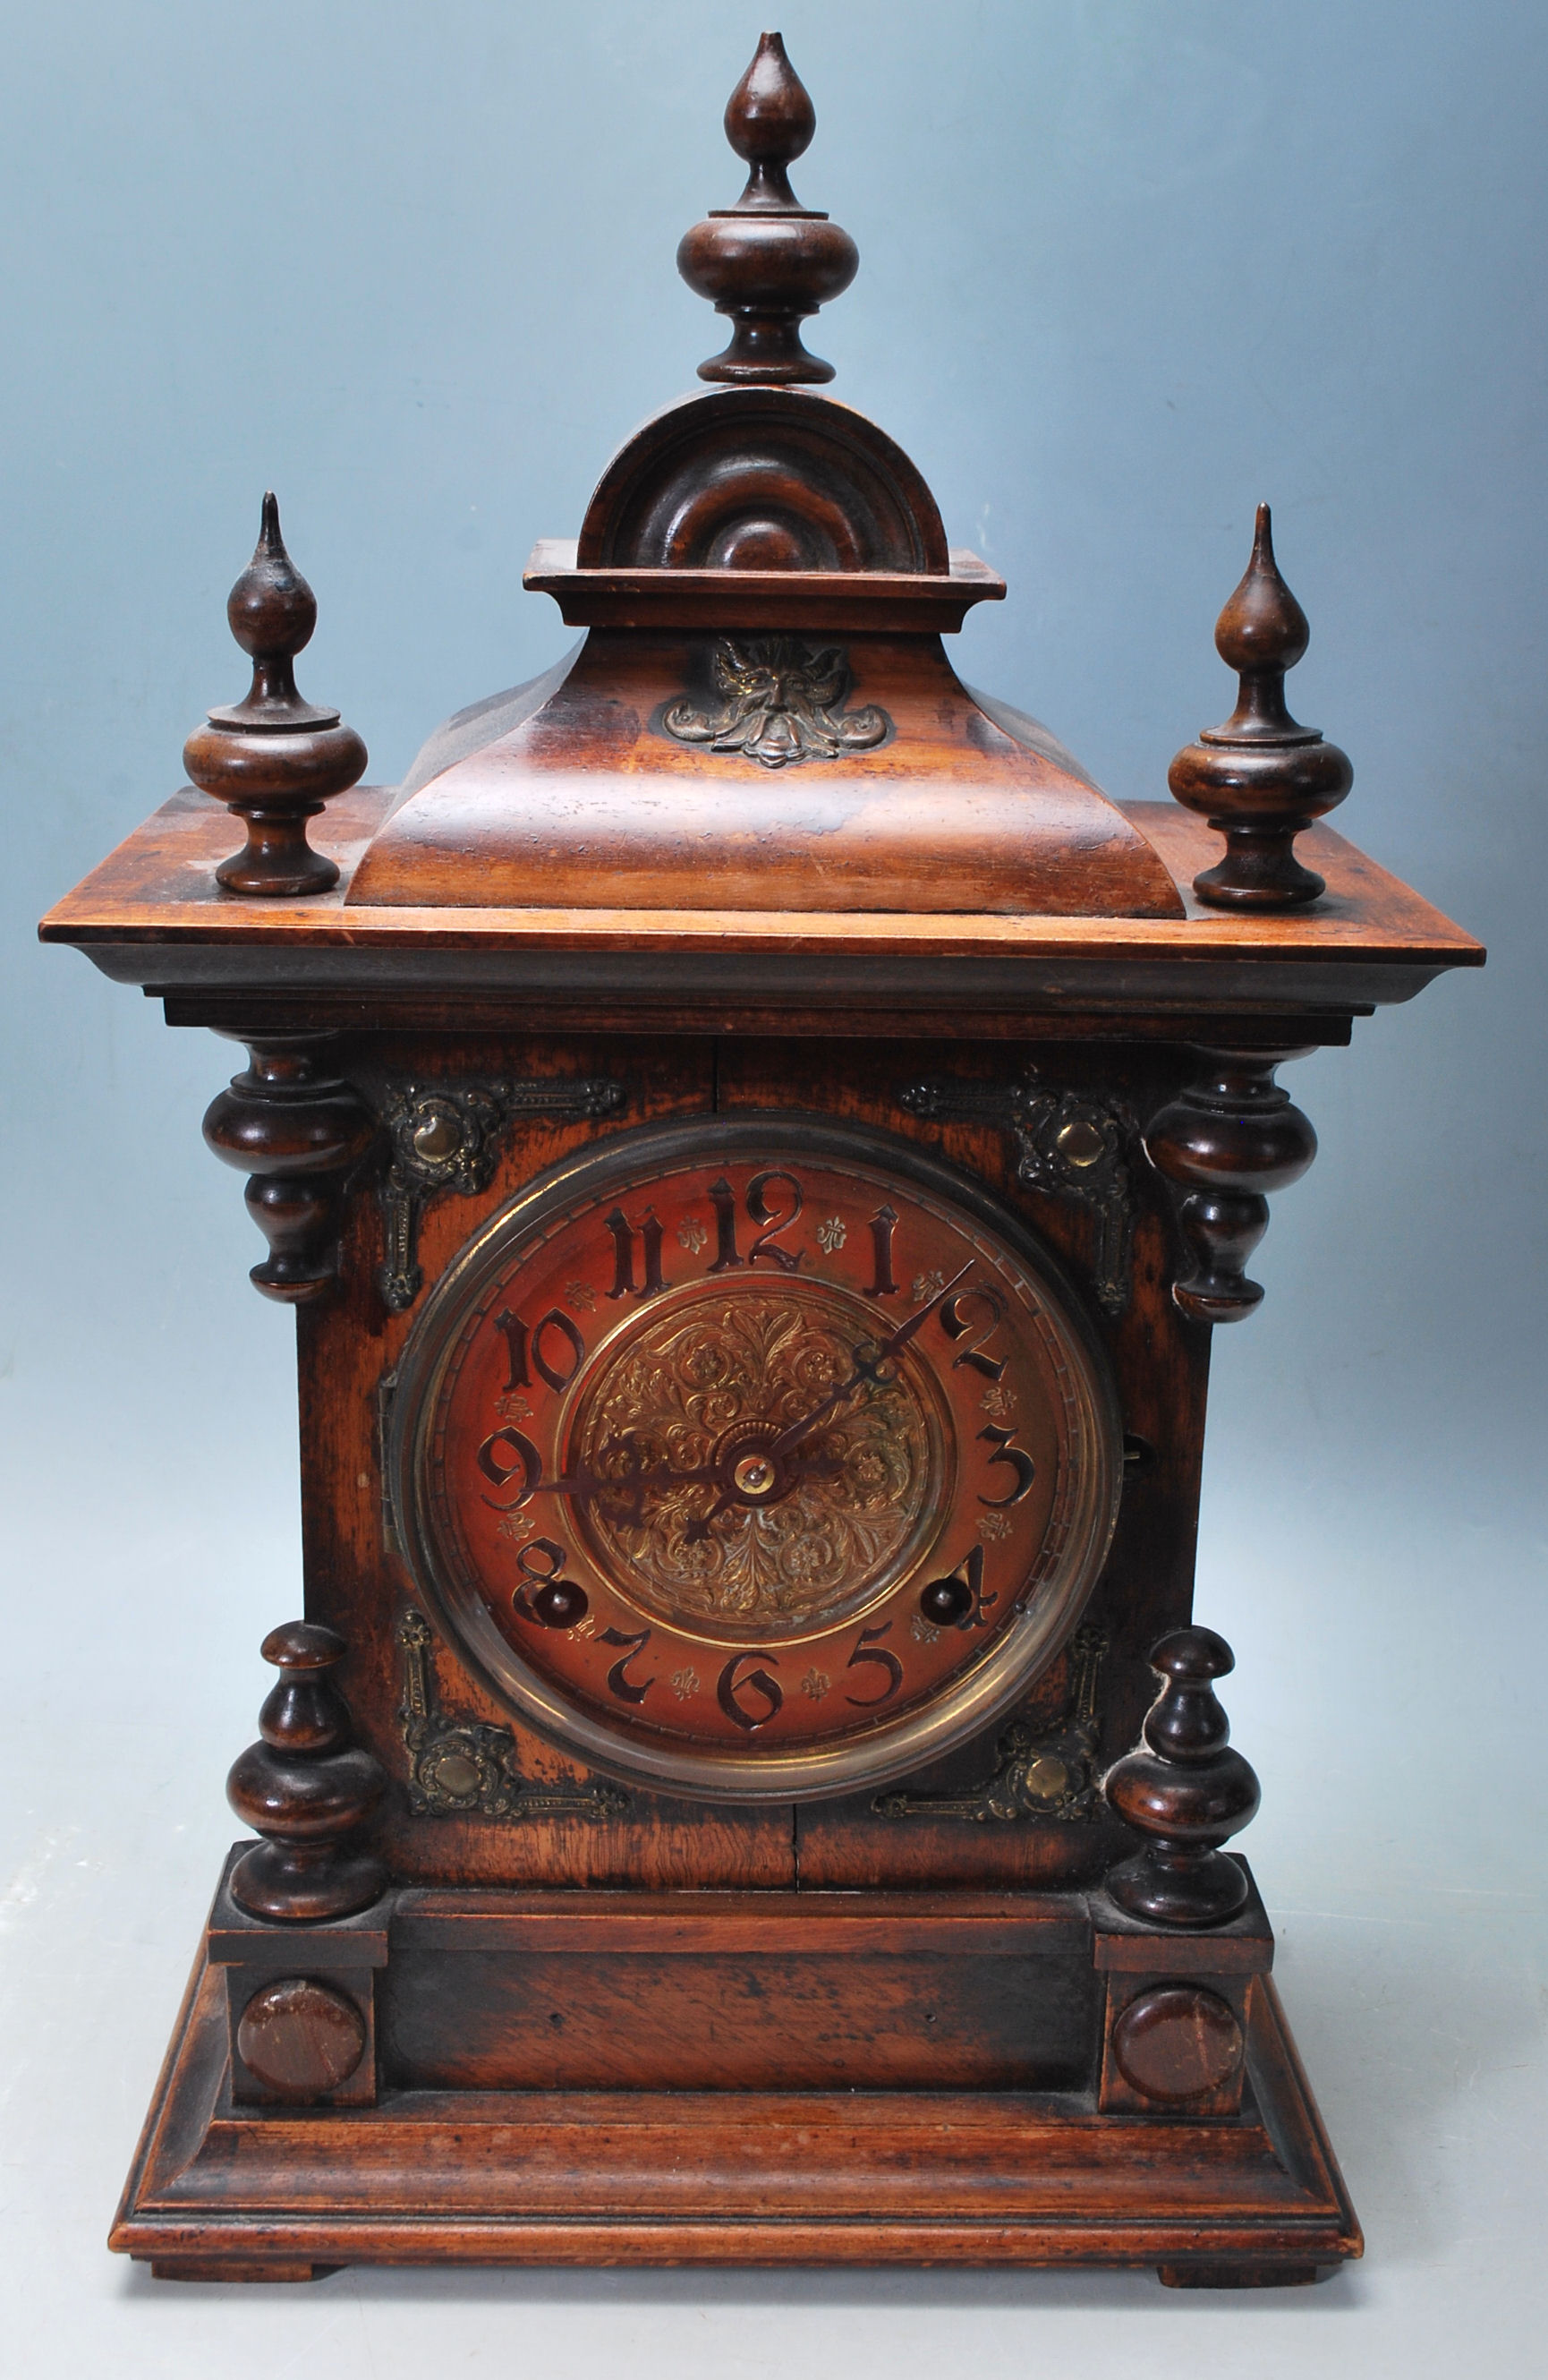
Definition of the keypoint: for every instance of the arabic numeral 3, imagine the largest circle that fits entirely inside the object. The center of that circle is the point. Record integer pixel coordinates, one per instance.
(1015, 1459)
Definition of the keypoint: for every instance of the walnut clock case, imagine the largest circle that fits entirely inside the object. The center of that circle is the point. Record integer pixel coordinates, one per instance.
(757, 1143)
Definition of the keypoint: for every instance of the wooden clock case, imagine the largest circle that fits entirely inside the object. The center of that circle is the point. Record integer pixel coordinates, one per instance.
(471, 1999)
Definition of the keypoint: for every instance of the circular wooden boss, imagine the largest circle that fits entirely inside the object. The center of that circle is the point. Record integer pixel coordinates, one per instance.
(299, 2039)
(1177, 2042)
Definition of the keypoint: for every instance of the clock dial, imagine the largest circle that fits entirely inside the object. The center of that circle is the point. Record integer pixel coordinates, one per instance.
(758, 1457)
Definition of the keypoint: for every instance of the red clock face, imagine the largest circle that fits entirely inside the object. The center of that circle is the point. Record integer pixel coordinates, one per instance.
(754, 1457)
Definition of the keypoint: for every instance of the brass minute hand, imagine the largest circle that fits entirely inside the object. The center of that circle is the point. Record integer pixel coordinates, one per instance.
(866, 1367)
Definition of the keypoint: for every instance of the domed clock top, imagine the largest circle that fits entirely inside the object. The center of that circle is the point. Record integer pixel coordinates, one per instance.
(762, 715)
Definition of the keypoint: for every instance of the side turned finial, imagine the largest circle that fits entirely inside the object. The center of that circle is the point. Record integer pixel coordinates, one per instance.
(272, 758)
(297, 1130)
(768, 262)
(306, 1790)
(1227, 1138)
(1260, 778)
(1186, 1789)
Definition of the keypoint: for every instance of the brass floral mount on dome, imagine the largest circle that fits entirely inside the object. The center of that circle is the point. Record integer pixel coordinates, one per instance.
(468, 1768)
(783, 703)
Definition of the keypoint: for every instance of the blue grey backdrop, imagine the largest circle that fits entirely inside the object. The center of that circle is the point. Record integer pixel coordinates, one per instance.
(1127, 266)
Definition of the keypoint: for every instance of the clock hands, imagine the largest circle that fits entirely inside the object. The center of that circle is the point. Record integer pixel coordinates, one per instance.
(621, 1494)
(749, 1471)
(866, 1369)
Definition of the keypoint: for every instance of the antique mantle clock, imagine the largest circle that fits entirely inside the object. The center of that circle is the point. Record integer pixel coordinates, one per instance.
(757, 1143)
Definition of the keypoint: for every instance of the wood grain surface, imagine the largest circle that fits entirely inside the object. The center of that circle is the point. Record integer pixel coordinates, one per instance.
(594, 799)
(729, 2178)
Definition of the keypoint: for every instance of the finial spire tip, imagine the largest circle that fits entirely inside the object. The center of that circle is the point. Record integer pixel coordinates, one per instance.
(770, 122)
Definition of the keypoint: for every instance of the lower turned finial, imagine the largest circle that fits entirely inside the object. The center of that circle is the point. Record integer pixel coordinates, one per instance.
(1188, 1791)
(307, 1790)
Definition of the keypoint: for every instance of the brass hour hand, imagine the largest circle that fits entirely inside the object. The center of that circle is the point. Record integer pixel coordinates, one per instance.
(623, 1490)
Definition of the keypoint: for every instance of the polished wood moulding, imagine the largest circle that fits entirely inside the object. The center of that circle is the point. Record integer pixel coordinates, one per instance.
(768, 2077)
(871, 2177)
(857, 601)
(151, 914)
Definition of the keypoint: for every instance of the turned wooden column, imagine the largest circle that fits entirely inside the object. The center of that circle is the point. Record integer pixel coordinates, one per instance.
(1186, 1790)
(1230, 1138)
(297, 1132)
(306, 1790)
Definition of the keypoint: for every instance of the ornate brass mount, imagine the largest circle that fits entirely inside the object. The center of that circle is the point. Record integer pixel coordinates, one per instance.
(783, 702)
(446, 1136)
(1068, 1145)
(469, 1769)
(1033, 1776)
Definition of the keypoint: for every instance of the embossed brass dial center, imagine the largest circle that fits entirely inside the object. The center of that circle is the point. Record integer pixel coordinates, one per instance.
(753, 1544)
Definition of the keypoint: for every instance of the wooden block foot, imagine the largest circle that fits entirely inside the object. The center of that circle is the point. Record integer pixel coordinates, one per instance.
(235, 2268)
(1218, 2276)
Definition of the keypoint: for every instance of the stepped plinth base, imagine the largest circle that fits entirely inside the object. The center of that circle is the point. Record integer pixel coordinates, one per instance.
(222, 2191)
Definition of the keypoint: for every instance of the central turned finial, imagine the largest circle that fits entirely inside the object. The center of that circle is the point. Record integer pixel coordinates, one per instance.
(768, 262)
